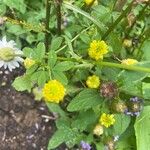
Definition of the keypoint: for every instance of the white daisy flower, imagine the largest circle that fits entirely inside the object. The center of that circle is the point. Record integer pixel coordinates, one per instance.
(9, 54)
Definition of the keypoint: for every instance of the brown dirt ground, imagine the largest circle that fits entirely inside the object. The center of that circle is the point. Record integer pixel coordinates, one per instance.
(23, 125)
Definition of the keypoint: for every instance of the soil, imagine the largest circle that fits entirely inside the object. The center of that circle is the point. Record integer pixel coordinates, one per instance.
(25, 124)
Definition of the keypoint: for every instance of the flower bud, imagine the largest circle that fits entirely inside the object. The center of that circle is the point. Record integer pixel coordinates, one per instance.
(109, 90)
(98, 130)
(119, 107)
(28, 63)
(127, 43)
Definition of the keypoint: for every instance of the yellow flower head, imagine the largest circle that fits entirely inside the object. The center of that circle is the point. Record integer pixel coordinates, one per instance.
(107, 120)
(53, 91)
(129, 61)
(93, 81)
(28, 63)
(97, 49)
(88, 2)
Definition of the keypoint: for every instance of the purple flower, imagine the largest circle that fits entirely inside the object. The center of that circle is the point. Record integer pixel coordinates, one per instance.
(135, 99)
(85, 146)
(135, 107)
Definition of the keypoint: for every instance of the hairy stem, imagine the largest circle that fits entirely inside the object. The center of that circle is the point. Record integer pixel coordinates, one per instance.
(48, 8)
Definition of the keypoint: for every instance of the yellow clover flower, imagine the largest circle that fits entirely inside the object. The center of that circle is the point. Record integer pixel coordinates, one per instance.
(97, 49)
(88, 2)
(93, 81)
(129, 61)
(53, 91)
(28, 63)
(107, 120)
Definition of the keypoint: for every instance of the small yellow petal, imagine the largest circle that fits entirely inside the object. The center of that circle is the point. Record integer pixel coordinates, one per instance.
(107, 120)
(97, 49)
(93, 81)
(53, 91)
(88, 2)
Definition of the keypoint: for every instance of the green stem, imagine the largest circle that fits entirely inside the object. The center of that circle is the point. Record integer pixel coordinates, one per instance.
(48, 7)
(123, 14)
(122, 66)
(109, 64)
(74, 38)
(86, 63)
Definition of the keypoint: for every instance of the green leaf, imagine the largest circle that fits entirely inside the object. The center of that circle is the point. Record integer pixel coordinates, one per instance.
(145, 48)
(131, 81)
(55, 108)
(57, 139)
(64, 66)
(142, 129)
(56, 43)
(85, 14)
(22, 83)
(146, 90)
(52, 58)
(16, 30)
(32, 69)
(28, 52)
(113, 39)
(43, 76)
(86, 99)
(100, 146)
(84, 119)
(40, 51)
(63, 134)
(60, 76)
(17, 4)
(121, 123)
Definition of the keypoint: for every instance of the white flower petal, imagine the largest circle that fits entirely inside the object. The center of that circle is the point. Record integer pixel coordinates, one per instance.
(4, 40)
(12, 43)
(15, 63)
(10, 67)
(12, 64)
(17, 51)
(5, 65)
(19, 59)
(1, 63)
